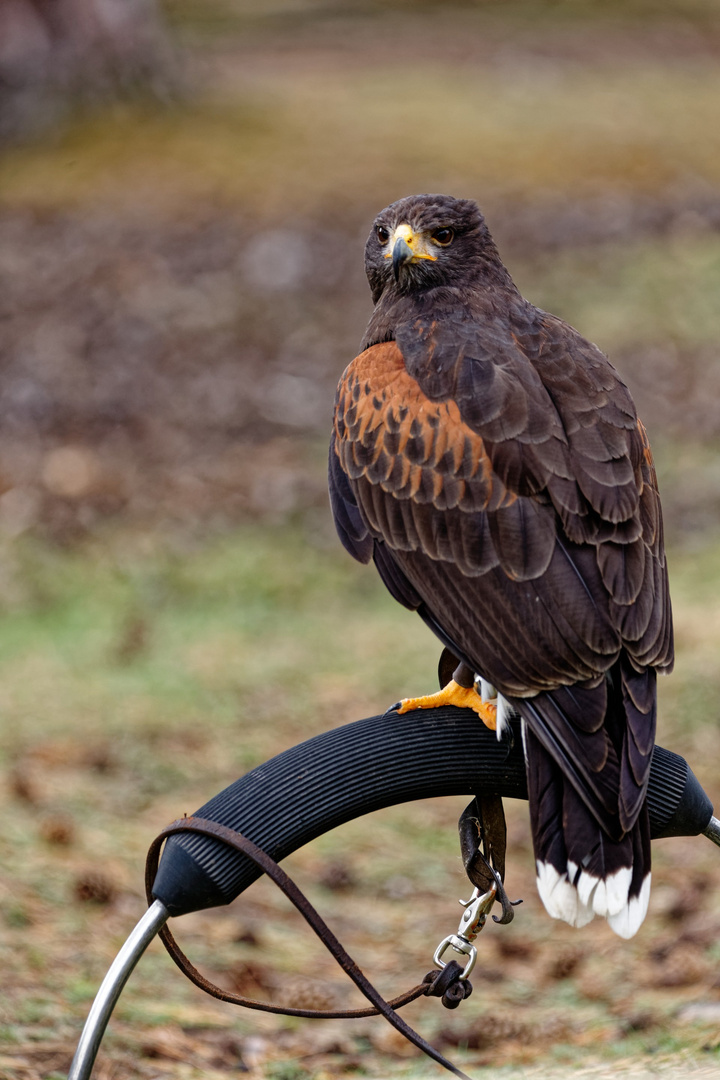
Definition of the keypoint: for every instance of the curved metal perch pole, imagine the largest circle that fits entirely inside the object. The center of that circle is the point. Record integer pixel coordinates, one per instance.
(335, 777)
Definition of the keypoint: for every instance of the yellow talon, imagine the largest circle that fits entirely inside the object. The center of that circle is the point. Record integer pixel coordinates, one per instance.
(463, 697)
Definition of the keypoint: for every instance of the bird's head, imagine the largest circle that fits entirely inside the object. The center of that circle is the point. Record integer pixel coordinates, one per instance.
(425, 241)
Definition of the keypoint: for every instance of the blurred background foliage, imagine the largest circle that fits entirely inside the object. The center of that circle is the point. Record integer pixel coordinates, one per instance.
(182, 256)
(185, 190)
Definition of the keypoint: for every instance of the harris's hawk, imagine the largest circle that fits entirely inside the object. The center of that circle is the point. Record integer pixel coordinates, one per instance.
(491, 462)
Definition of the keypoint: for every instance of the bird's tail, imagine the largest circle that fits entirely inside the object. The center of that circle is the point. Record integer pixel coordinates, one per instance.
(581, 871)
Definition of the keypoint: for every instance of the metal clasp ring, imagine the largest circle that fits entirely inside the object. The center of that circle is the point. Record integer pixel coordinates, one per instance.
(471, 923)
(460, 945)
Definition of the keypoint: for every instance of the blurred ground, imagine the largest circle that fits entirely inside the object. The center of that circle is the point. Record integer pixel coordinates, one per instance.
(181, 287)
(139, 677)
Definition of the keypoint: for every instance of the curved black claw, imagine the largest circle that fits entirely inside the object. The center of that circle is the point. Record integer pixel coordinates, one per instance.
(393, 708)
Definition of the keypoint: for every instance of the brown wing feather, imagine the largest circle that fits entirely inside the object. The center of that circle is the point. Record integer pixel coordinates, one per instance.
(582, 448)
(382, 411)
(397, 445)
(526, 467)
(428, 481)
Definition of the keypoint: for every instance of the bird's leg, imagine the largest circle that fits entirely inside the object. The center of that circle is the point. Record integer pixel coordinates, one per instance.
(461, 692)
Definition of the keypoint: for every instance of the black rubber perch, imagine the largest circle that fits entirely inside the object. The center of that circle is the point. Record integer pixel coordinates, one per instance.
(352, 770)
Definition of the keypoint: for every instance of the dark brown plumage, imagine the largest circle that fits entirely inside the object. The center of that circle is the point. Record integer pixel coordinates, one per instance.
(491, 461)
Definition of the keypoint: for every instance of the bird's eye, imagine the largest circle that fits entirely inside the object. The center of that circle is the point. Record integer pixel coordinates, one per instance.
(382, 233)
(444, 236)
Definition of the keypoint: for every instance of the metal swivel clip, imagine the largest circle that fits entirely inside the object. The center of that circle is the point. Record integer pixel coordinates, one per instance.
(477, 909)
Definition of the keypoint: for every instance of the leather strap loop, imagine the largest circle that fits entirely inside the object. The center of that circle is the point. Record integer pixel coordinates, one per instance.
(285, 884)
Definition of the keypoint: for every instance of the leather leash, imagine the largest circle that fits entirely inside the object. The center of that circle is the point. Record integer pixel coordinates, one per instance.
(443, 983)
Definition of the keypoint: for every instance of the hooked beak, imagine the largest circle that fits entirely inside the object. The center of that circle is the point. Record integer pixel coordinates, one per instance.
(402, 254)
(407, 246)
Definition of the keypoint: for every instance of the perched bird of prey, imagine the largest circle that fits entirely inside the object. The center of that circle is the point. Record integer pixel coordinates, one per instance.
(491, 462)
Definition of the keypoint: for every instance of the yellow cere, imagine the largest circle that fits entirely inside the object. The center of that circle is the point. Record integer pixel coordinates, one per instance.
(417, 241)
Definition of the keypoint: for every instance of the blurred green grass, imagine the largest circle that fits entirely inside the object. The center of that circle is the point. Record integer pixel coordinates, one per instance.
(227, 15)
(139, 675)
(638, 294)
(246, 638)
(290, 135)
(250, 640)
